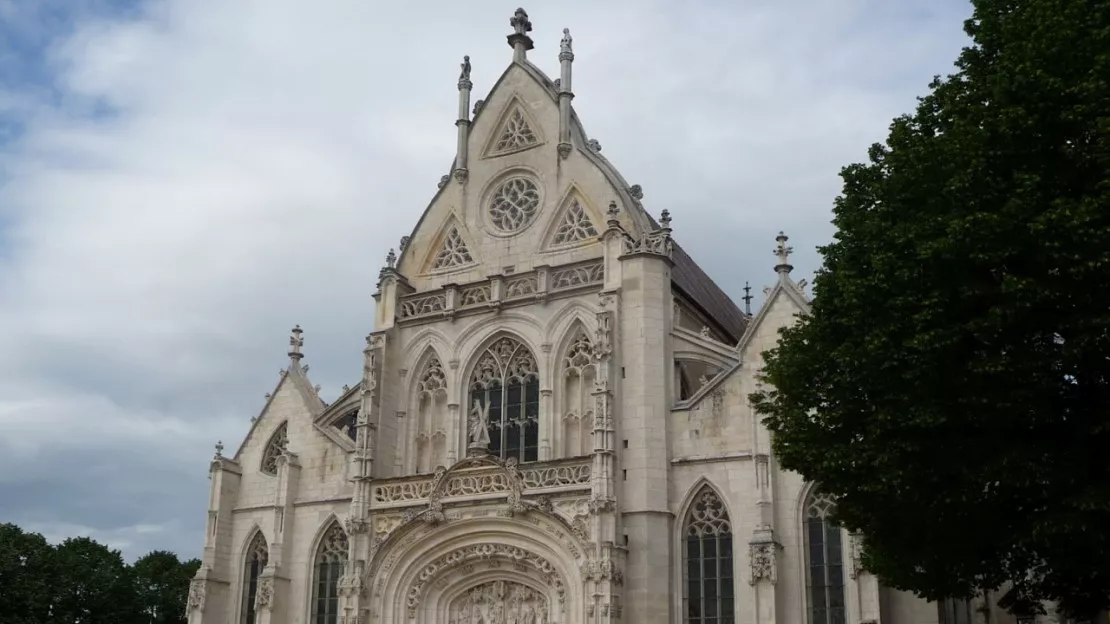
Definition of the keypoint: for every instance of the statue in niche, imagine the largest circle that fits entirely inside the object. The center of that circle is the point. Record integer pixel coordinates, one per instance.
(479, 425)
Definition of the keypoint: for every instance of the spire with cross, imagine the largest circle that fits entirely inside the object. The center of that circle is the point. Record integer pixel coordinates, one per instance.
(783, 252)
(519, 41)
(747, 299)
(219, 448)
(295, 344)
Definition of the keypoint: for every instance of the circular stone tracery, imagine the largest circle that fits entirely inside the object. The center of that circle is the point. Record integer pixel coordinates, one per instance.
(514, 204)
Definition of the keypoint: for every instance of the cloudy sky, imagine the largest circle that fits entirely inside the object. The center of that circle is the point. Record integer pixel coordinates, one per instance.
(183, 180)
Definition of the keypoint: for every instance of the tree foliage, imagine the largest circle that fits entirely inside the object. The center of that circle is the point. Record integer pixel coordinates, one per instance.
(950, 386)
(82, 581)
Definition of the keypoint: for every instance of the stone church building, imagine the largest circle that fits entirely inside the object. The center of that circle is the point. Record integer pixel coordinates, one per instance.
(551, 425)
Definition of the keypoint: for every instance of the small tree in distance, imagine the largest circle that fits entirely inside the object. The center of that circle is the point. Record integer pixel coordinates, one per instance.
(951, 388)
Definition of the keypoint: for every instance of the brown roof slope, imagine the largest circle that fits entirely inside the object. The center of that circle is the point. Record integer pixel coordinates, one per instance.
(703, 291)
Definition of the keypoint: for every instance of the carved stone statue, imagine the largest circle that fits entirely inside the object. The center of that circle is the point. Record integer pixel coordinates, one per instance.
(465, 73)
(565, 44)
(478, 425)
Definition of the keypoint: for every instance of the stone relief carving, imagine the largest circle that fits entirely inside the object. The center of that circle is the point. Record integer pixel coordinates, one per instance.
(520, 287)
(514, 204)
(657, 243)
(578, 276)
(196, 595)
(454, 252)
(763, 562)
(491, 554)
(427, 304)
(500, 602)
(470, 482)
(264, 595)
(474, 295)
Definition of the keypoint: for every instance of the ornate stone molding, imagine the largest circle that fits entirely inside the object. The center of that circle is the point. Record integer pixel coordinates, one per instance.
(763, 555)
(197, 592)
(264, 595)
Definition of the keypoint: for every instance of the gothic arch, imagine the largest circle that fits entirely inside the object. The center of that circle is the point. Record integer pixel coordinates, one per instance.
(312, 580)
(520, 324)
(247, 577)
(431, 567)
(573, 410)
(504, 376)
(416, 348)
(806, 497)
(716, 520)
(430, 424)
(272, 451)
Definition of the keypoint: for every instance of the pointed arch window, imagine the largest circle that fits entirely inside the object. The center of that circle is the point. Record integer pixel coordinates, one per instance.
(708, 591)
(505, 385)
(274, 448)
(258, 553)
(331, 559)
(579, 374)
(431, 420)
(824, 561)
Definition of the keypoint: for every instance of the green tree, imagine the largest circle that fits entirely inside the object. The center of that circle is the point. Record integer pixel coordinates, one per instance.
(26, 573)
(93, 585)
(162, 586)
(950, 388)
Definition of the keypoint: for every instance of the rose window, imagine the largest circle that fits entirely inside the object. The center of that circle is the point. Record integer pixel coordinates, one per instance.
(514, 204)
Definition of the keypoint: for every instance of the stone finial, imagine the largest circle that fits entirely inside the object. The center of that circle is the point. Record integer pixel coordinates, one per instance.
(404, 244)
(519, 22)
(636, 191)
(390, 259)
(594, 145)
(304, 369)
(519, 41)
(747, 299)
(219, 449)
(295, 344)
(478, 107)
(346, 388)
(566, 52)
(665, 219)
(443, 180)
(783, 252)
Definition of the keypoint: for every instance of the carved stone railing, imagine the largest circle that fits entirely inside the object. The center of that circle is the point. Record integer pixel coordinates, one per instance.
(562, 475)
(500, 291)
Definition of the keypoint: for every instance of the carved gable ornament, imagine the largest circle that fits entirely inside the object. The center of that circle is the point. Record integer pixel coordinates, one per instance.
(515, 131)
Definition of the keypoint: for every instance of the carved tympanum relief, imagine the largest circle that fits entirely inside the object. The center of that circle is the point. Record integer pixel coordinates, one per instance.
(500, 602)
(431, 416)
(579, 373)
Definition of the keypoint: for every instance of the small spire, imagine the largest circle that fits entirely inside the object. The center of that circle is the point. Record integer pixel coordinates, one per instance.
(219, 449)
(665, 219)
(783, 252)
(747, 299)
(295, 344)
(519, 41)
(390, 259)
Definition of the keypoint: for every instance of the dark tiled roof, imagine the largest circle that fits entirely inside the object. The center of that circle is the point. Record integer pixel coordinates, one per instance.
(714, 303)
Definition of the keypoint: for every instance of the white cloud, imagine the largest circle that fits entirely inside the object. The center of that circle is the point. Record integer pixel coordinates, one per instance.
(212, 172)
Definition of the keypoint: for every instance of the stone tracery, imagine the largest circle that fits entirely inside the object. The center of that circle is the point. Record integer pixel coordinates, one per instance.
(516, 134)
(274, 449)
(431, 416)
(579, 373)
(454, 252)
(500, 602)
(514, 204)
(505, 381)
(576, 226)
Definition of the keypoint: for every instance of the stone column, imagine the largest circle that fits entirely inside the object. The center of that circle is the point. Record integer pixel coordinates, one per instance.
(566, 57)
(272, 598)
(463, 122)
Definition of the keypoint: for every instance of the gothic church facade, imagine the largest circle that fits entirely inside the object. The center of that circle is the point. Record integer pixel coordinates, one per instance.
(551, 425)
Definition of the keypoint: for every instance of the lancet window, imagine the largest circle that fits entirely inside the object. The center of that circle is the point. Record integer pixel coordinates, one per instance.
(274, 449)
(708, 590)
(431, 416)
(505, 398)
(824, 561)
(258, 553)
(331, 559)
(579, 373)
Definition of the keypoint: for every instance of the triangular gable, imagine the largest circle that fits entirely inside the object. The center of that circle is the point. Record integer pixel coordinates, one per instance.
(516, 131)
(574, 223)
(452, 249)
(292, 380)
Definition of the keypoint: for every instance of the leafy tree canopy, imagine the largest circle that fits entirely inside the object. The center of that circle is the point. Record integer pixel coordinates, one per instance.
(950, 387)
(82, 581)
